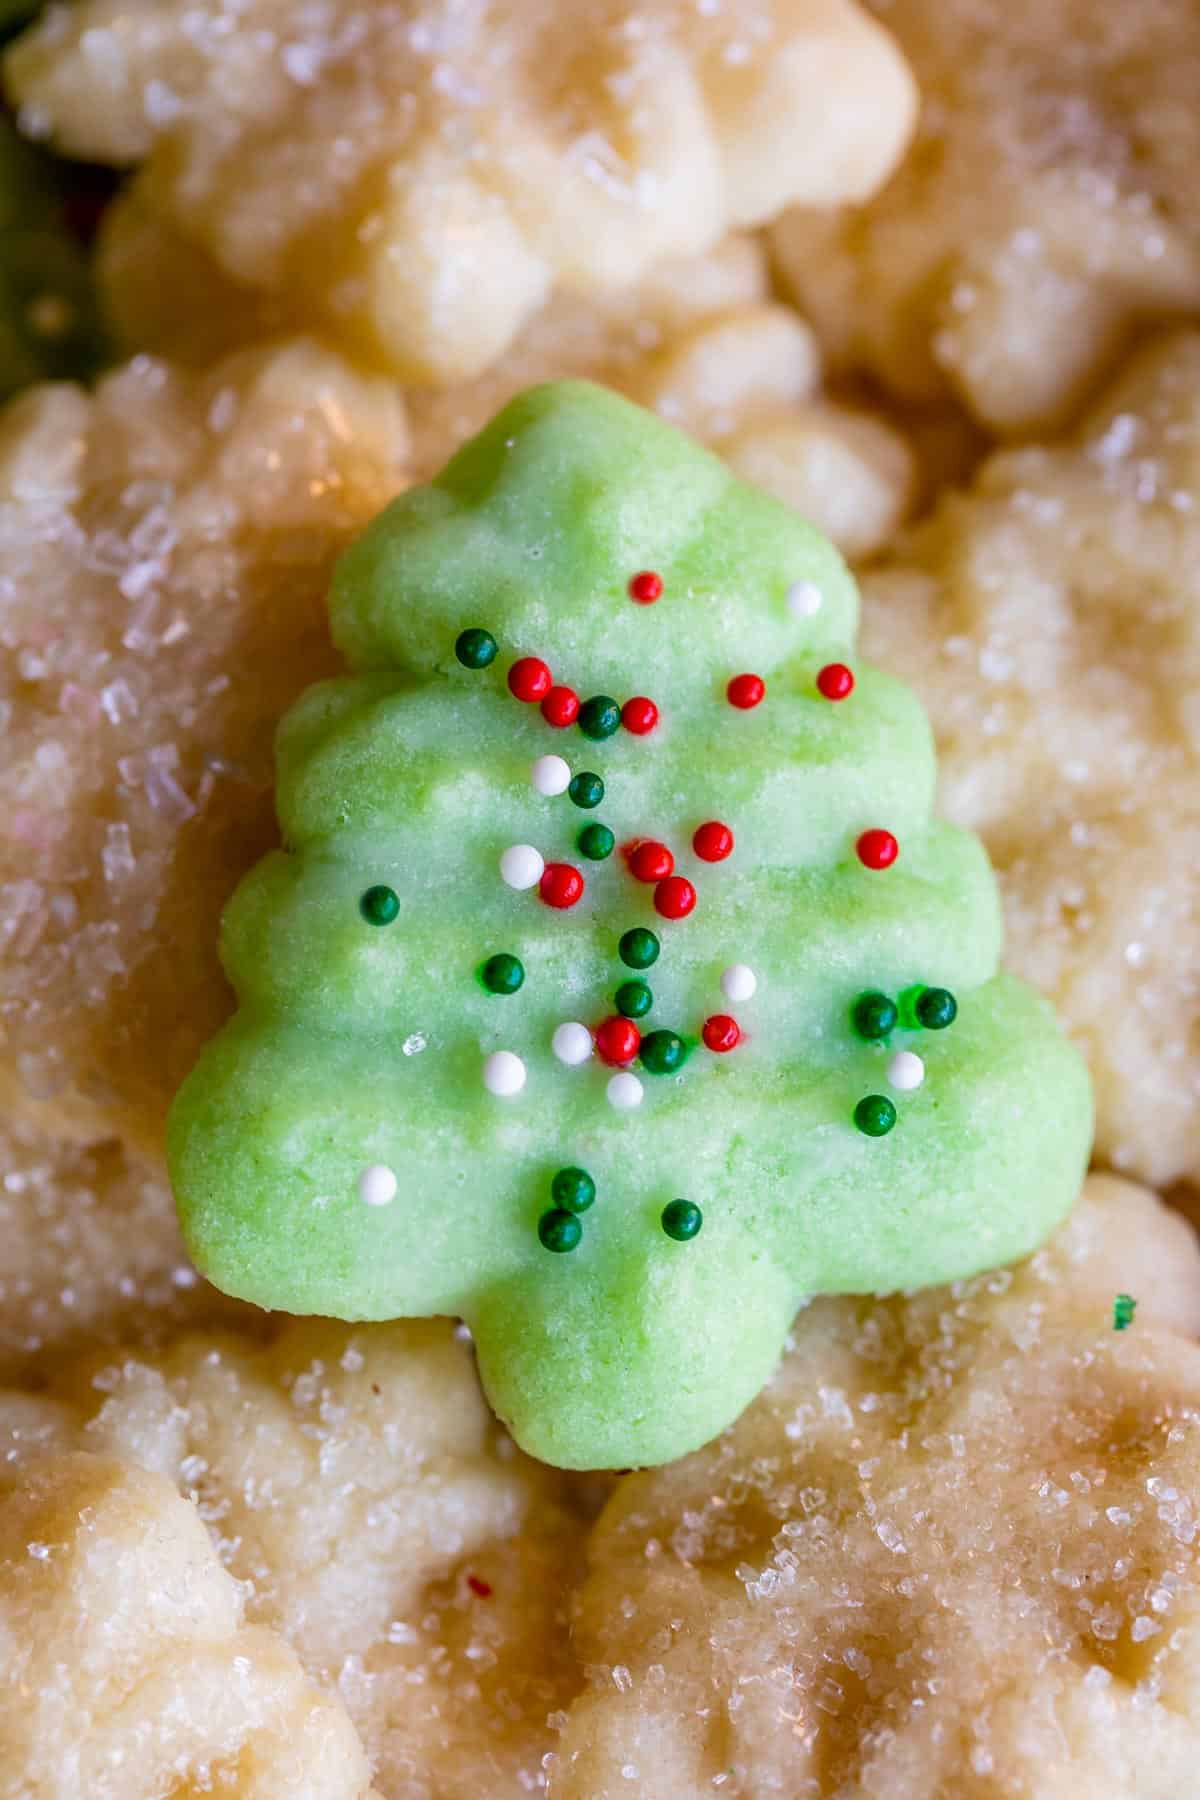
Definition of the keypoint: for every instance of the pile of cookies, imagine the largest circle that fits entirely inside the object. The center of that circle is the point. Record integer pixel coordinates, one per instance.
(930, 274)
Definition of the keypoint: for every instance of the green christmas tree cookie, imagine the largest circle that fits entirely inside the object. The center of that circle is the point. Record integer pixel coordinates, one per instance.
(617, 988)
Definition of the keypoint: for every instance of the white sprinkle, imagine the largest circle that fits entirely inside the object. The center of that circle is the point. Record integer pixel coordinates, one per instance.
(551, 775)
(377, 1185)
(571, 1043)
(804, 598)
(625, 1091)
(521, 866)
(905, 1071)
(503, 1074)
(738, 982)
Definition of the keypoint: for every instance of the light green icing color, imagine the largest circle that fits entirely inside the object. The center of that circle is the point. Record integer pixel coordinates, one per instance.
(358, 1045)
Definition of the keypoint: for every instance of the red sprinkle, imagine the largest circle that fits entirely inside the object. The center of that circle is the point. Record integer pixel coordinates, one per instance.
(675, 897)
(479, 1586)
(646, 587)
(650, 861)
(721, 1033)
(877, 849)
(712, 842)
(529, 679)
(618, 1041)
(561, 706)
(639, 715)
(835, 681)
(745, 691)
(561, 885)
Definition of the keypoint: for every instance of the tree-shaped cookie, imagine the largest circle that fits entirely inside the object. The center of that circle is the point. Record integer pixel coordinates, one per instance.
(616, 988)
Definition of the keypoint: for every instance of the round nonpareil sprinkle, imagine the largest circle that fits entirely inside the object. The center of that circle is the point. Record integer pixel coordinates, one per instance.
(380, 905)
(599, 717)
(560, 707)
(586, 789)
(936, 1008)
(803, 599)
(559, 1231)
(650, 861)
(905, 1071)
(475, 648)
(634, 999)
(561, 885)
(675, 897)
(571, 1043)
(521, 866)
(596, 842)
(681, 1220)
(746, 691)
(721, 1033)
(624, 1091)
(874, 1016)
(645, 587)
(377, 1185)
(639, 715)
(638, 948)
(877, 849)
(617, 1041)
(529, 679)
(875, 1115)
(663, 1052)
(551, 775)
(739, 982)
(712, 841)
(502, 973)
(835, 681)
(572, 1189)
(503, 1074)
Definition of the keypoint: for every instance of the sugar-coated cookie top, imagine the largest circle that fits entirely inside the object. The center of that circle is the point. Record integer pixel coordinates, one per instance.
(617, 987)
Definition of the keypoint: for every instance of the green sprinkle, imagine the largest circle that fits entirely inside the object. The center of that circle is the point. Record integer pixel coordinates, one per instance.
(639, 948)
(572, 1190)
(380, 906)
(874, 1016)
(559, 1231)
(875, 1115)
(1124, 1307)
(599, 717)
(502, 973)
(634, 999)
(681, 1220)
(475, 649)
(663, 1052)
(586, 789)
(596, 842)
(936, 1009)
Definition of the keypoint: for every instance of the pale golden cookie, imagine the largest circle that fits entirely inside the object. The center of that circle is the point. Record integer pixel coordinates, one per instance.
(417, 178)
(383, 1523)
(90, 1253)
(129, 1672)
(166, 547)
(951, 1552)
(1050, 619)
(702, 339)
(1048, 205)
